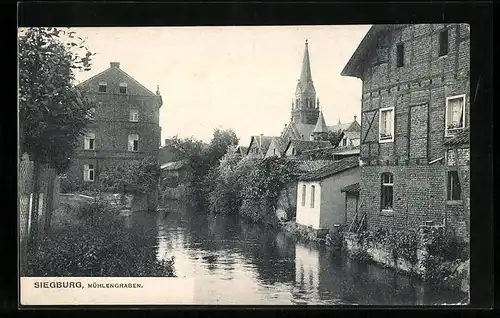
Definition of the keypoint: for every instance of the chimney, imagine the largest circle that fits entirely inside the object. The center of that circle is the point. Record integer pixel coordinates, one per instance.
(114, 64)
(355, 117)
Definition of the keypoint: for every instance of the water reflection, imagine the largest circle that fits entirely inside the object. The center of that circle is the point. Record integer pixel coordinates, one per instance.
(238, 263)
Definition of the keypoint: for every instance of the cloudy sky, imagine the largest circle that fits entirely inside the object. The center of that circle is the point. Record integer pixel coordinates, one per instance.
(242, 78)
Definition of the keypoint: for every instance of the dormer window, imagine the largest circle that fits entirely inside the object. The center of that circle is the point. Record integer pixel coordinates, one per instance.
(103, 87)
(123, 88)
(134, 115)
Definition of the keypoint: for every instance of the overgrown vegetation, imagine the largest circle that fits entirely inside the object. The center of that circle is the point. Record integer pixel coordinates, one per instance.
(99, 245)
(401, 243)
(203, 158)
(249, 187)
(445, 252)
(137, 177)
(52, 113)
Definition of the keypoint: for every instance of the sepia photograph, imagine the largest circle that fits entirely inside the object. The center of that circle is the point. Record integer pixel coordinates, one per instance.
(248, 165)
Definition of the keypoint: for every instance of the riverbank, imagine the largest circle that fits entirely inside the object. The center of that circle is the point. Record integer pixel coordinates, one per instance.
(417, 255)
(422, 259)
(90, 238)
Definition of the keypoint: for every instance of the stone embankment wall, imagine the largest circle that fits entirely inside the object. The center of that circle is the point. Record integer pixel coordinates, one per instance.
(383, 255)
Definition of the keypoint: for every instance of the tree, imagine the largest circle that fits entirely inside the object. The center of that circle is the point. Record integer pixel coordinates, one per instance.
(52, 113)
(334, 137)
(137, 177)
(219, 144)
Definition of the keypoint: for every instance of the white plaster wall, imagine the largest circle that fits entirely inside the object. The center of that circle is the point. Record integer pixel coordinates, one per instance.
(305, 214)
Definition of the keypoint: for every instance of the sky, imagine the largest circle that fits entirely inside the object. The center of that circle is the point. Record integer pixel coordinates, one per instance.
(242, 78)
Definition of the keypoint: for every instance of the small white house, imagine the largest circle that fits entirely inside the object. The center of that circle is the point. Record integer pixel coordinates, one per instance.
(320, 201)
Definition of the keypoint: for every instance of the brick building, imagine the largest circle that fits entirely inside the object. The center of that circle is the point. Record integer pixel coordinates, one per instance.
(124, 126)
(415, 96)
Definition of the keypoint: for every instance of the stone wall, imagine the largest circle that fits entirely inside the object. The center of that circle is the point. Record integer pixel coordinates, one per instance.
(383, 255)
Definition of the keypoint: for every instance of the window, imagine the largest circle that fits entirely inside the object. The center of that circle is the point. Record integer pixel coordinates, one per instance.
(123, 88)
(443, 42)
(387, 193)
(88, 172)
(133, 142)
(102, 87)
(89, 143)
(274, 152)
(91, 114)
(400, 54)
(455, 113)
(304, 195)
(386, 124)
(454, 192)
(134, 115)
(313, 188)
(344, 141)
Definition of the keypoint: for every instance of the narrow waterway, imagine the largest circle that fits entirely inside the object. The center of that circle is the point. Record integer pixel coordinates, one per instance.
(233, 262)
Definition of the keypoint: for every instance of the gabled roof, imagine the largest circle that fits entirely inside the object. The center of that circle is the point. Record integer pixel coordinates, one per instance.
(242, 150)
(352, 188)
(355, 126)
(302, 145)
(352, 134)
(353, 67)
(117, 68)
(339, 127)
(266, 141)
(335, 167)
(305, 166)
(280, 143)
(461, 138)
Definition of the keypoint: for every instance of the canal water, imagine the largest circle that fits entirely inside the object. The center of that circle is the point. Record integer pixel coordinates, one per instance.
(236, 263)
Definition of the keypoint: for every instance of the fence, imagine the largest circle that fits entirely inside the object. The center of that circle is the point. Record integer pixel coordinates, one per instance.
(48, 200)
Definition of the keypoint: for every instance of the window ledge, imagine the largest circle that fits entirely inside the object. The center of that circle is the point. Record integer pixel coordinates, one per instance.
(387, 212)
(386, 140)
(454, 202)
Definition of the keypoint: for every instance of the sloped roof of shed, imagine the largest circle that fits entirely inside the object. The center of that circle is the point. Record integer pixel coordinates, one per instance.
(459, 139)
(331, 169)
(352, 188)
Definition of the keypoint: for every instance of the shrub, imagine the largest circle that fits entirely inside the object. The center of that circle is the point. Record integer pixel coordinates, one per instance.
(360, 255)
(262, 187)
(99, 246)
(443, 249)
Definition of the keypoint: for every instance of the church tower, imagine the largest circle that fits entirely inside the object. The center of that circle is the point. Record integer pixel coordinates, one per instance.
(320, 131)
(305, 110)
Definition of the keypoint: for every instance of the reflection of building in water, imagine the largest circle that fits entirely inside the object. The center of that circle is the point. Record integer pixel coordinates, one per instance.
(306, 268)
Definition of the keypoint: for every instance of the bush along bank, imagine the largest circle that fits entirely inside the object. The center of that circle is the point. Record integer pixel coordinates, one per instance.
(250, 187)
(97, 246)
(428, 253)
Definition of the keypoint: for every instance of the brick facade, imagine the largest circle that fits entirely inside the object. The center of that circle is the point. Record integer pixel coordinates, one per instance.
(417, 91)
(112, 125)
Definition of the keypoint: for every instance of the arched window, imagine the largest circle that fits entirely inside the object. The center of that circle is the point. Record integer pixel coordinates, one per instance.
(387, 191)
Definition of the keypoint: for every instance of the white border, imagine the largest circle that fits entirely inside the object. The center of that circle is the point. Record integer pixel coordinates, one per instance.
(381, 141)
(446, 113)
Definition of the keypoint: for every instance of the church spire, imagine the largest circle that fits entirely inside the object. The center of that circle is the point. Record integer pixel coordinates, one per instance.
(321, 124)
(305, 74)
(306, 110)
